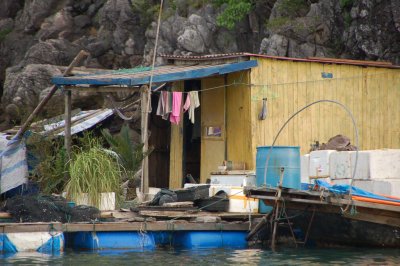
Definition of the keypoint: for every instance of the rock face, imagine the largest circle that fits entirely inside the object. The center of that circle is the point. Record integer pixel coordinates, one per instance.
(23, 87)
(122, 33)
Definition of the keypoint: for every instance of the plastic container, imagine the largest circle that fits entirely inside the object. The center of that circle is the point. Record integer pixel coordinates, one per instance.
(113, 240)
(287, 157)
(43, 242)
(210, 239)
(238, 202)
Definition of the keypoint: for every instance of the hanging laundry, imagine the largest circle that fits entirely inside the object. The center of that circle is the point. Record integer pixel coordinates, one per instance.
(187, 103)
(165, 97)
(194, 103)
(160, 105)
(176, 107)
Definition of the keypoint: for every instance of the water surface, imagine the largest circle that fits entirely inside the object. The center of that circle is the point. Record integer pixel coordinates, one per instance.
(300, 256)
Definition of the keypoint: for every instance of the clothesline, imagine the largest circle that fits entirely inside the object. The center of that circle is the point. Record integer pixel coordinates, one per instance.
(283, 83)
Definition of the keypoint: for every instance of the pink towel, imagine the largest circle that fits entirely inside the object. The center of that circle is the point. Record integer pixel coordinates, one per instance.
(176, 107)
(187, 103)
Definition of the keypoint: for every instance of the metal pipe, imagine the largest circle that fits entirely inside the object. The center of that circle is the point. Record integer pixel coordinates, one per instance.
(299, 111)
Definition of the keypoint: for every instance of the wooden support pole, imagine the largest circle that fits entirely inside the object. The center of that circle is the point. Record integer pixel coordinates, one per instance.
(82, 54)
(145, 94)
(277, 205)
(67, 130)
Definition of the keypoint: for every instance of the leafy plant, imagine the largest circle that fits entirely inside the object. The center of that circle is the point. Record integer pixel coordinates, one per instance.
(235, 11)
(292, 8)
(147, 11)
(93, 171)
(346, 3)
(48, 157)
(130, 155)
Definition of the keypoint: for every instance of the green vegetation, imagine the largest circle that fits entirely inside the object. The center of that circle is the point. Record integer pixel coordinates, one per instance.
(292, 8)
(346, 6)
(93, 172)
(49, 158)
(346, 3)
(289, 9)
(277, 23)
(4, 33)
(147, 11)
(129, 154)
(235, 11)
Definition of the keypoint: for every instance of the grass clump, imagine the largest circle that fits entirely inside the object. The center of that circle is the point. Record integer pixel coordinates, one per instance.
(93, 171)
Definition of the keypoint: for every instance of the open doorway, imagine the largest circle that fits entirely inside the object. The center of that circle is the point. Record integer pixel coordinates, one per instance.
(159, 141)
(192, 137)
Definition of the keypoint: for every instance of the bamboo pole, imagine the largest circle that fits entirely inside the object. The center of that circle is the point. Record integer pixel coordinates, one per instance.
(82, 54)
(145, 91)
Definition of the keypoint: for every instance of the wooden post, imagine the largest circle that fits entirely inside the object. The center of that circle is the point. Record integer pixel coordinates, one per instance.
(82, 54)
(67, 118)
(277, 205)
(145, 91)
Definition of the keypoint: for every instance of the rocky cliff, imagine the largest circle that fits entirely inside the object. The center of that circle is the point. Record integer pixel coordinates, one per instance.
(37, 36)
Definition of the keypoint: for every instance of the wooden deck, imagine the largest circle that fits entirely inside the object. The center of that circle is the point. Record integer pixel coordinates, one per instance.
(336, 219)
(122, 226)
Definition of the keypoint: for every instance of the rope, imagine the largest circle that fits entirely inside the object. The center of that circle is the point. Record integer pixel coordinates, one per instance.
(154, 54)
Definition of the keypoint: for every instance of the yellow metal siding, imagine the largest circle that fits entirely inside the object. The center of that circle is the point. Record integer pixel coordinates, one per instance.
(372, 94)
(239, 137)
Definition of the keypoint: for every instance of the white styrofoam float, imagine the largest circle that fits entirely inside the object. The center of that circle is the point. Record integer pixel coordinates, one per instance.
(319, 163)
(371, 164)
(107, 201)
(44, 242)
(304, 168)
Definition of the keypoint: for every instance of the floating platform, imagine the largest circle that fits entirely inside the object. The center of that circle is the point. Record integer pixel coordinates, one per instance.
(124, 235)
(328, 218)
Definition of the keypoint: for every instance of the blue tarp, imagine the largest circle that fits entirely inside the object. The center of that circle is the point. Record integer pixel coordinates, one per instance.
(344, 189)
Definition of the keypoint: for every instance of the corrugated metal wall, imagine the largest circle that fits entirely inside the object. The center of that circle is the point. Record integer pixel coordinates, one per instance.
(372, 94)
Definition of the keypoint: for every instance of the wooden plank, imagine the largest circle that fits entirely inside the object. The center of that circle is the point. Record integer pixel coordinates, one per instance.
(132, 80)
(179, 204)
(194, 214)
(67, 129)
(176, 150)
(102, 89)
(122, 226)
(81, 55)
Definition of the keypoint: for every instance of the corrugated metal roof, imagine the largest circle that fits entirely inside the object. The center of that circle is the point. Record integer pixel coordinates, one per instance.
(309, 59)
(165, 73)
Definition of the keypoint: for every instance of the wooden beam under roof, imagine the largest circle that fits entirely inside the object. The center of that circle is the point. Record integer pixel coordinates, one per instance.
(102, 89)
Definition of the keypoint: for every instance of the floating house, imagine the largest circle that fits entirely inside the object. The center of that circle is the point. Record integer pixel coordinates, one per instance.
(246, 98)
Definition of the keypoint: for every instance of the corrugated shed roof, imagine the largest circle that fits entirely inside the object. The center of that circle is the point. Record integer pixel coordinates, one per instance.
(309, 59)
(160, 74)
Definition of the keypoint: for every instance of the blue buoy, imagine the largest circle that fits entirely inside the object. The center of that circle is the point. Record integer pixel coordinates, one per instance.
(287, 157)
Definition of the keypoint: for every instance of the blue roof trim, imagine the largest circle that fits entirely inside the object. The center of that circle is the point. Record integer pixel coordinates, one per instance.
(182, 75)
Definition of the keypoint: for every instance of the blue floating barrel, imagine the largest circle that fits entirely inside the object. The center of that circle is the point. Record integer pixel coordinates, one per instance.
(287, 157)
(113, 240)
(209, 239)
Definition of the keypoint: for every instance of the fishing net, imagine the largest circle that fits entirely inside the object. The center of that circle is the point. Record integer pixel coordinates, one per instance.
(48, 209)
